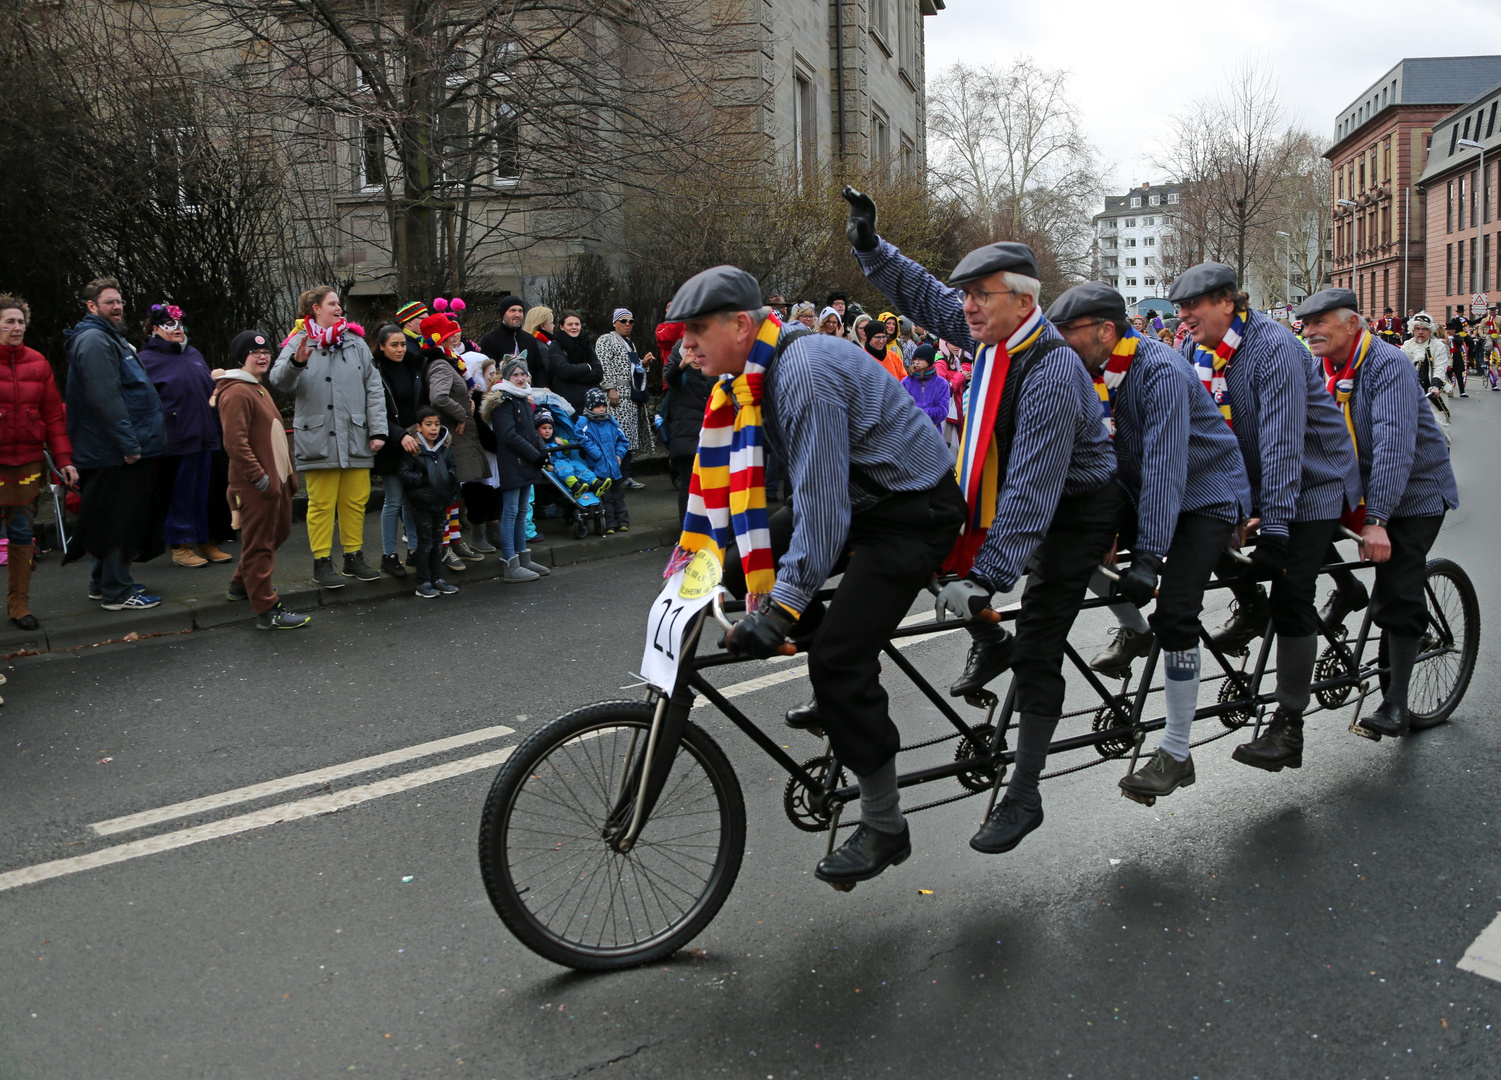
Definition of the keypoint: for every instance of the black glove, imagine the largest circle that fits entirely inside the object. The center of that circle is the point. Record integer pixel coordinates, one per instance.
(1139, 582)
(1269, 559)
(760, 634)
(861, 229)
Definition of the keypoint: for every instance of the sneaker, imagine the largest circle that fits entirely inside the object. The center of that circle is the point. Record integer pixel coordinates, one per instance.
(96, 593)
(622, 528)
(426, 590)
(632, 484)
(452, 561)
(444, 587)
(461, 548)
(279, 618)
(609, 532)
(324, 574)
(603, 486)
(236, 591)
(356, 567)
(133, 602)
(391, 564)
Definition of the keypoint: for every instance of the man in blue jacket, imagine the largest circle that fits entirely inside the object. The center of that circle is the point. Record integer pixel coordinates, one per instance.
(1180, 466)
(1303, 478)
(1404, 467)
(115, 424)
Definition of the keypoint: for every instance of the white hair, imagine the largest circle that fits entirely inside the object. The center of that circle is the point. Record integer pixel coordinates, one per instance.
(1346, 314)
(1020, 283)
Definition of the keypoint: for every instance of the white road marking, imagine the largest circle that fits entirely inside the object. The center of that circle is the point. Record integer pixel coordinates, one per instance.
(257, 819)
(298, 780)
(1484, 956)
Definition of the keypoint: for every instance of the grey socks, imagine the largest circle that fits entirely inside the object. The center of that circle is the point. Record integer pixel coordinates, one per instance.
(880, 801)
(1128, 615)
(1295, 658)
(1033, 735)
(1182, 690)
(1401, 654)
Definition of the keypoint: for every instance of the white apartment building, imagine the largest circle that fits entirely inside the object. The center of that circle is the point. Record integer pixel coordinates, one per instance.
(1128, 239)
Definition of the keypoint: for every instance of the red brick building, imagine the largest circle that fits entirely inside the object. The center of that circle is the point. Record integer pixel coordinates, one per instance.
(1463, 217)
(1380, 150)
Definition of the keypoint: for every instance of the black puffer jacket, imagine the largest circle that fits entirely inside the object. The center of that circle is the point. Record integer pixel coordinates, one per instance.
(404, 396)
(575, 368)
(427, 476)
(690, 390)
(519, 452)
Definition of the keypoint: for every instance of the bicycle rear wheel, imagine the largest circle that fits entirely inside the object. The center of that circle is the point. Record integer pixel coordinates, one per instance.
(1447, 652)
(556, 882)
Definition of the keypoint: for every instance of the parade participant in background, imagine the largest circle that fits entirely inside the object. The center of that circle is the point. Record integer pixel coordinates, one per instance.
(1409, 484)
(830, 322)
(1490, 340)
(1180, 465)
(805, 313)
(340, 422)
(1303, 478)
(261, 478)
(624, 384)
(115, 427)
(930, 392)
(1459, 350)
(184, 385)
(876, 347)
(1038, 475)
(1430, 357)
(1389, 328)
(32, 423)
(876, 501)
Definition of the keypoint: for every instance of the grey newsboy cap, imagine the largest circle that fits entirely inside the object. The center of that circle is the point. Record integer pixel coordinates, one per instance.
(719, 288)
(1092, 300)
(1327, 300)
(992, 259)
(1201, 279)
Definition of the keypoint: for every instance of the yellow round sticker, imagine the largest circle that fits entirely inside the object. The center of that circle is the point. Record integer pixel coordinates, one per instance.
(701, 577)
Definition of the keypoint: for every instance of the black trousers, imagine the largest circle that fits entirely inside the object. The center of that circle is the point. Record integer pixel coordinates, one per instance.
(1399, 605)
(894, 549)
(1293, 613)
(1082, 531)
(684, 466)
(430, 525)
(1197, 546)
(612, 501)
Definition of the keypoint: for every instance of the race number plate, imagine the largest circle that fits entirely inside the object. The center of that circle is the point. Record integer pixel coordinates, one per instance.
(684, 596)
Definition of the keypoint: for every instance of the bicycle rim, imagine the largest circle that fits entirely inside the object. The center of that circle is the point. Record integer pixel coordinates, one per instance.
(1446, 655)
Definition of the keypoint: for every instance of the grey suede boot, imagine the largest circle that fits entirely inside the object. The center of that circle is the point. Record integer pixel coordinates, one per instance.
(531, 564)
(515, 572)
(478, 541)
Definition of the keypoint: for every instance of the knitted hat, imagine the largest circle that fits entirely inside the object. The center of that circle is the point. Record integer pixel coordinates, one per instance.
(924, 352)
(508, 302)
(594, 397)
(416, 309)
(511, 365)
(540, 417)
(243, 342)
(621, 313)
(437, 327)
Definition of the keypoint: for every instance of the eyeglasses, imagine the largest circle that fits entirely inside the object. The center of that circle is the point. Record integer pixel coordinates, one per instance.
(259, 352)
(981, 297)
(627, 322)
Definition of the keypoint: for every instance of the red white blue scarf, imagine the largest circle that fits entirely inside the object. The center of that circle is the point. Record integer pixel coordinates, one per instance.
(1108, 381)
(1212, 364)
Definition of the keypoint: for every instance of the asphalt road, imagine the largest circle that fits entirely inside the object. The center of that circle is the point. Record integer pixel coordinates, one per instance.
(1303, 924)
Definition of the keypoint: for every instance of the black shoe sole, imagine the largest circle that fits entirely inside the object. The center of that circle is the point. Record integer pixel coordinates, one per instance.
(895, 860)
(1269, 766)
(1009, 846)
(1145, 794)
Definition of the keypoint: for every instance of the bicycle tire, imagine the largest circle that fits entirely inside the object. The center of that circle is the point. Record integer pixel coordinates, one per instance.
(532, 889)
(1440, 681)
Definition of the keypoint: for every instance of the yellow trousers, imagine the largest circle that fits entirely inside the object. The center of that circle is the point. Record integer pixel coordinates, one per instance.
(345, 491)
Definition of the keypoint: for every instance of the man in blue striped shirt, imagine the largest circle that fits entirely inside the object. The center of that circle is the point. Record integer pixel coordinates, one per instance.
(1180, 465)
(1045, 477)
(1409, 484)
(874, 499)
(1303, 477)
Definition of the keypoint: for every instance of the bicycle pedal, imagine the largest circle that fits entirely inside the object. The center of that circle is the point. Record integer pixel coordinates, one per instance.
(842, 886)
(1356, 729)
(1145, 800)
(982, 699)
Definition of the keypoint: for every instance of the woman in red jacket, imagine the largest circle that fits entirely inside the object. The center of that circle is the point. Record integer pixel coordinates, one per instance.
(31, 422)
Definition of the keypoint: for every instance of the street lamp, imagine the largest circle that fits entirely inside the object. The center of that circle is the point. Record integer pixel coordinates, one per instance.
(1354, 255)
(1480, 217)
(1287, 274)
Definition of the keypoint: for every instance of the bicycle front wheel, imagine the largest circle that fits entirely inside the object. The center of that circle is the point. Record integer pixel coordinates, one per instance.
(1449, 646)
(548, 866)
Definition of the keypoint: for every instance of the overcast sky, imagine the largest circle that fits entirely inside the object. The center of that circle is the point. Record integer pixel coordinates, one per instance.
(1134, 65)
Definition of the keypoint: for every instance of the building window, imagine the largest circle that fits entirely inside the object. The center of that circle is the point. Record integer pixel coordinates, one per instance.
(804, 132)
(1147, 261)
(1149, 281)
(1339, 184)
(1474, 195)
(906, 33)
(1130, 241)
(1130, 299)
(1130, 262)
(1172, 198)
(1449, 270)
(1130, 223)
(1490, 125)
(1135, 201)
(1153, 200)
(1149, 220)
(1485, 263)
(1150, 241)
(909, 157)
(1449, 207)
(880, 133)
(507, 129)
(1130, 283)
(1459, 204)
(372, 159)
(880, 21)
(173, 167)
(1453, 138)
(1474, 282)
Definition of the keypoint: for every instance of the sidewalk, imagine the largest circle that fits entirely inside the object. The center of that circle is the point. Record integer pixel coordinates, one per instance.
(194, 599)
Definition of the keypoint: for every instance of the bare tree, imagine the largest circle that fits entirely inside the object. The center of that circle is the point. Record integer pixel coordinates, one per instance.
(1008, 146)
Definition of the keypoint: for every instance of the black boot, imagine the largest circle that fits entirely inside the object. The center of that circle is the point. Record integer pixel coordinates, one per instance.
(805, 718)
(1247, 622)
(864, 855)
(1341, 604)
(1007, 825)
(1279, 747)
(1390, 719)
(989, 657)
(1116, 657)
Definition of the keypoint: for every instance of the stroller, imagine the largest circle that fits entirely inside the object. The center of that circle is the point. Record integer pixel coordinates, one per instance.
(581, 511)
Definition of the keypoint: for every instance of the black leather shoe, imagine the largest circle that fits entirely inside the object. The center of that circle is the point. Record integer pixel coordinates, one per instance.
(864, 855)
(1389, 719)
(805, 718)
(1339, 607)
(1116, 657)
(1007, 825)
(987, 660)
(1246, 623)
(27, 622)
(1279, 747)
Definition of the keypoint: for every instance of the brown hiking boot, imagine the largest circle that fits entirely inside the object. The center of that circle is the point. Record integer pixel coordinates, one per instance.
(184, 555)
(211, 552)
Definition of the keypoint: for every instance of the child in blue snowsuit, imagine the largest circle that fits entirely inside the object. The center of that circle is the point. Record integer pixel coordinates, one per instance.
(604, 444)
(568, 466)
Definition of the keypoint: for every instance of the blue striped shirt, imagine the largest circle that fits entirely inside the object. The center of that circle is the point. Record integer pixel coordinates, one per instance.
(1175, 453)
(1292, 435)
(1404, 461)
(828, 408)
(1059, 447)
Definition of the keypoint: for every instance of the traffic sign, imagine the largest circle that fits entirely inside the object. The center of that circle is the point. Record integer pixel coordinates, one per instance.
(1479, 303)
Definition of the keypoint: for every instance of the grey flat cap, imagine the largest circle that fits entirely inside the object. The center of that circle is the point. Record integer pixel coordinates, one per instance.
(1092, 300)
(719, 288)
(1201, 279)
(992, 259)
(1327, 300)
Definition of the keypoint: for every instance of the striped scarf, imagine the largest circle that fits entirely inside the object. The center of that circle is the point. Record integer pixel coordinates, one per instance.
(1341, 386)
(727, 495)
(1108, 381)
(980, 455)
(1212, 364)
(324, 337)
